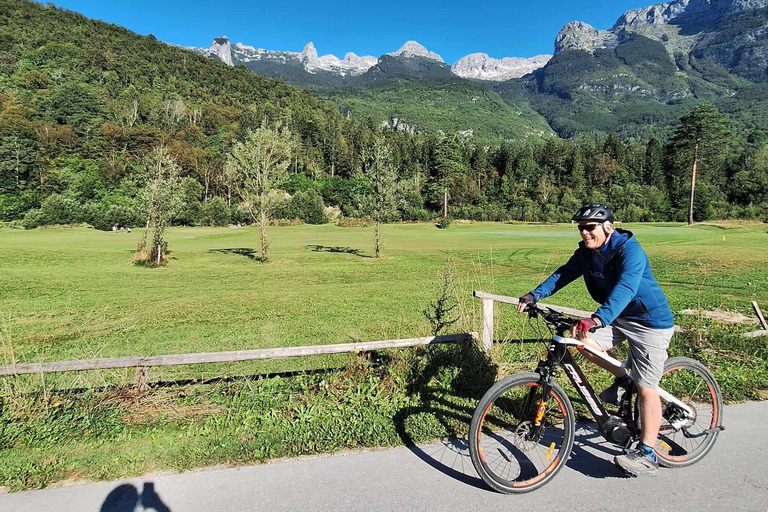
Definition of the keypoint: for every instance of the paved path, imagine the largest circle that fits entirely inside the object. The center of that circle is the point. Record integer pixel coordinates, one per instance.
(734, 476)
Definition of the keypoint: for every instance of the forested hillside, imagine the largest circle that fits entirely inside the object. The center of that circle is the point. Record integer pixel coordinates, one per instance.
(636, 90)
(83, 102)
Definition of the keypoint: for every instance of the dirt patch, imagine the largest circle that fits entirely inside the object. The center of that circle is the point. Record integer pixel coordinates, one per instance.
(143, 408)
(763, 393)
(727, 317)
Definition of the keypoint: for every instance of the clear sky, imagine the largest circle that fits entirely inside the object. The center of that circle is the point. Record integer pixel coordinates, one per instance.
(500, 28)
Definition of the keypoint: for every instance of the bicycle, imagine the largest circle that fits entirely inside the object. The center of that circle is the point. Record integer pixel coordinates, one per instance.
(523, 429)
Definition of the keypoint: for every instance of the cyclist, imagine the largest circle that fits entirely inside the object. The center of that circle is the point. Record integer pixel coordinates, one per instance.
(633, 307)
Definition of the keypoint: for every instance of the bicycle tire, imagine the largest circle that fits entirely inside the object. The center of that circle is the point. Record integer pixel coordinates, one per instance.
(682, 447)
(496, 435)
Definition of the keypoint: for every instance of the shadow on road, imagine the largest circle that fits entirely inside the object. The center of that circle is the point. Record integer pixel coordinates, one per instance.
(476, 374)
(126, 497)
(592, 455)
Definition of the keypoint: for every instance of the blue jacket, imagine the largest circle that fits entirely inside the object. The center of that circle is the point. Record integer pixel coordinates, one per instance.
(619, 277)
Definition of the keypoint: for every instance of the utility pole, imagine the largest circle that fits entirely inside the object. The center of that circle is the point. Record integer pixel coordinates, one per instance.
(693, 183)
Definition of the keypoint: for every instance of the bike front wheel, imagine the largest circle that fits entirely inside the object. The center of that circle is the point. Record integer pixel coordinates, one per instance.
(684, 439)
(508, 451)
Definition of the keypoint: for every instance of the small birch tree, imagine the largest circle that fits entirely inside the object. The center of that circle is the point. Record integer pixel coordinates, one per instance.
(256, 166)
(162, 201)
(382, 200)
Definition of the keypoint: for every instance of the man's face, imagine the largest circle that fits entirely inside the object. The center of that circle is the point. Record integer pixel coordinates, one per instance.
(593, 234)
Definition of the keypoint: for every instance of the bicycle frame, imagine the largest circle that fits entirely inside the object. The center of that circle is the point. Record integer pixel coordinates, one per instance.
(570, 342)
(622, 429)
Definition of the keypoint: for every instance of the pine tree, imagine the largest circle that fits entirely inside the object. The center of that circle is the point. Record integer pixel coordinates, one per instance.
(700, 138)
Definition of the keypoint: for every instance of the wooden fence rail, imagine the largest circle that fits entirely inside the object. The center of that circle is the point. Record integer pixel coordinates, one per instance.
(488, 300)
(143, 363)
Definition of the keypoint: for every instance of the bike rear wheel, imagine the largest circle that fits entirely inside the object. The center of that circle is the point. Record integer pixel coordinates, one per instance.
(683, 440)
(510, 454)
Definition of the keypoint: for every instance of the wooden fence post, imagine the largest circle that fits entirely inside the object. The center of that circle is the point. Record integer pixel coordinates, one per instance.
(760, 315)
(142, 378)
(487, 324)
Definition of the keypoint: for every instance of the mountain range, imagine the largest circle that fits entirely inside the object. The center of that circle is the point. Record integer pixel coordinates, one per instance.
(475, 65)
(636, 78)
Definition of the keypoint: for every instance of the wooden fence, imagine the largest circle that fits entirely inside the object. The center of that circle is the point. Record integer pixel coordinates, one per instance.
(487, 310)
(144, 363)
(488, 300)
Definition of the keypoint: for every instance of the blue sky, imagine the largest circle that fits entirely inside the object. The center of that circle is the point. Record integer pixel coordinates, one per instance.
(511, 28)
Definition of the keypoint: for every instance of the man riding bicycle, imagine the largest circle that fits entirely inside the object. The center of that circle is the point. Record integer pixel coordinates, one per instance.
(633, 307)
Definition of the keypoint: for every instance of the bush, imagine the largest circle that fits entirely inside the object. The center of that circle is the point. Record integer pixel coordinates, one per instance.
(308, 206)
(14, 206)
(57, 209)
(354, 222)
(97, 215)
(416, 214)
(33, 219)
(444, 223)
(215, 212)
(190, 212)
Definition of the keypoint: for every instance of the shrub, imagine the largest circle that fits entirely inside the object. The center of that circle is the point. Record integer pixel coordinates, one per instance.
(308, 206)
(33, 219)
(190, 212)
(57, 209)
(215, 212)
(14, 206)
(416, 214)
(444, 223)
(97, 215)
(354, 222)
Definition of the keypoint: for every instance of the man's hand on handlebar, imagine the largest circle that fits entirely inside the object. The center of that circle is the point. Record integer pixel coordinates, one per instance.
(526, 300)
(581, 328)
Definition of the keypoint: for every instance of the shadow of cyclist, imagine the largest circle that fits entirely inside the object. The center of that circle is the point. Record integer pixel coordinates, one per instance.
(592, 455)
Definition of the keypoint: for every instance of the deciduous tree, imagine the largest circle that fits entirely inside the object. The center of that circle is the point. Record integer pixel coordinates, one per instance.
(256, 166)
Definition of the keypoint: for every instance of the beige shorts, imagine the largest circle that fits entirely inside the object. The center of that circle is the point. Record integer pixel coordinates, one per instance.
(647, 348)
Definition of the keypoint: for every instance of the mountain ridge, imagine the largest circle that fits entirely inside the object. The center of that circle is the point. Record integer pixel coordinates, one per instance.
(476, 65)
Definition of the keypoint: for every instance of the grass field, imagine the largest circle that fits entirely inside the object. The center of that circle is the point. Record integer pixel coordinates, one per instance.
(72, 293)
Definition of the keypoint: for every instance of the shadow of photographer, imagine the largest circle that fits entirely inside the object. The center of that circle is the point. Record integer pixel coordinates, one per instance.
(126, 497)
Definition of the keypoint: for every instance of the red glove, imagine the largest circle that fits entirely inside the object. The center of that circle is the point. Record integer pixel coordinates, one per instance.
(586, 325)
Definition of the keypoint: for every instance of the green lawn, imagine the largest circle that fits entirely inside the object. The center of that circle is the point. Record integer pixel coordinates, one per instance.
(72, 293)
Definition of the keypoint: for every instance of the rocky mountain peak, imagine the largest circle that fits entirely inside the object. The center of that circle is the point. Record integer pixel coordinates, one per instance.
(309, 55)
(414, 49)
(578, 35)
(482, 67)
(655, 21)
(222, 49)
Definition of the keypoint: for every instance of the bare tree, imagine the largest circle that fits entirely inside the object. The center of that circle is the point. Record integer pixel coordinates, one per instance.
(255, 167)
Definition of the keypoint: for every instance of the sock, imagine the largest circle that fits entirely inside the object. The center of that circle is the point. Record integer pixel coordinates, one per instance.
(648, 451)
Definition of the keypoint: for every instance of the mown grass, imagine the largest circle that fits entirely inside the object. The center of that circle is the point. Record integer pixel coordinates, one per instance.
(72, 294)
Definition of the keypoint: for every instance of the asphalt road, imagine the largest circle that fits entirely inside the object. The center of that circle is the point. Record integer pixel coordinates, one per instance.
(734, 476)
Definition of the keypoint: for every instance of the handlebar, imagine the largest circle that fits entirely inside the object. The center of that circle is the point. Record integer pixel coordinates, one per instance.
(559, 321)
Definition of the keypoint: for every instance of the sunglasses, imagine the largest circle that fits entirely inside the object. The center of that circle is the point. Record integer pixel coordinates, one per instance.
(588, 227)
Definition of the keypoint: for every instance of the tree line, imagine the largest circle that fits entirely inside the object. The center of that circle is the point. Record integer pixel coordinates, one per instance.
(85, 107)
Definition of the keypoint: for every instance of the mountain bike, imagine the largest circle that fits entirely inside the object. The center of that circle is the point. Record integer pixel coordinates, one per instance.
(523, 428)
